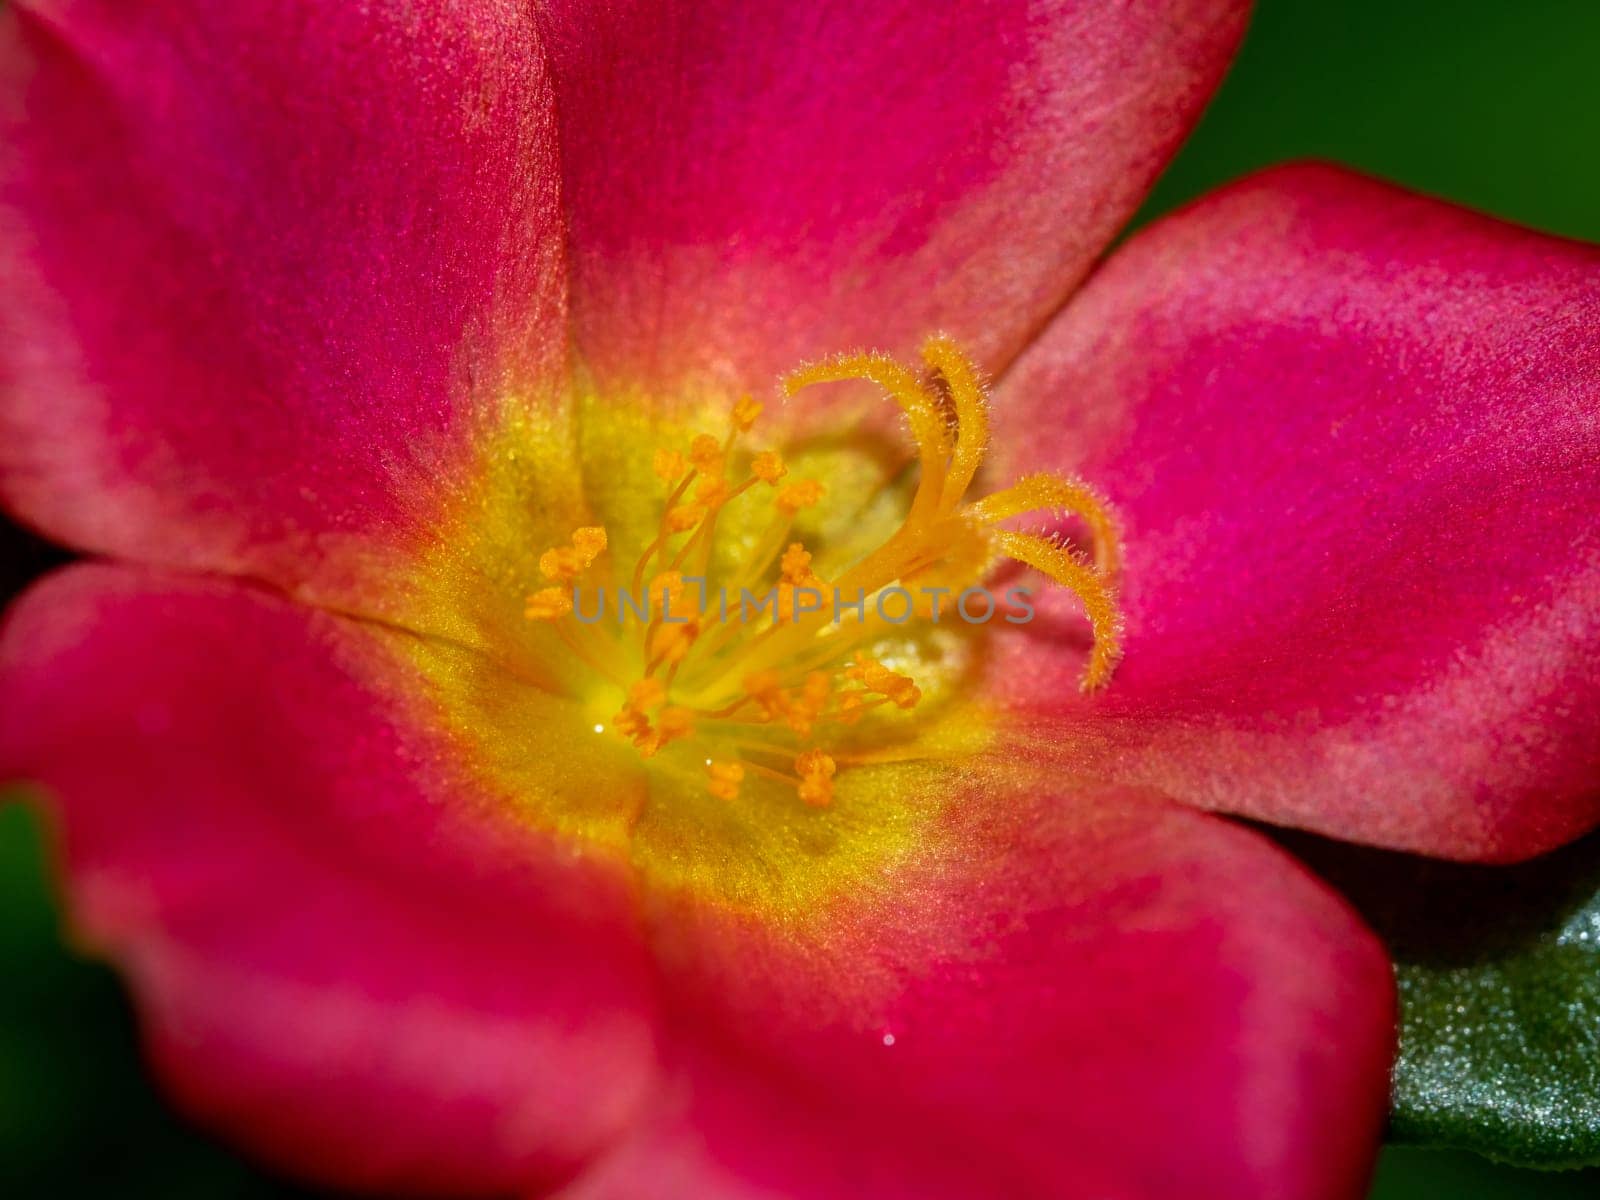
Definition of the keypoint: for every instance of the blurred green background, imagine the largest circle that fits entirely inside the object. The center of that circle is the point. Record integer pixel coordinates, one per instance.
(1491, 103)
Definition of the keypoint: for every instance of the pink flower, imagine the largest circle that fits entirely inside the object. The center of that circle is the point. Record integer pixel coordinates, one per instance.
(338, 331)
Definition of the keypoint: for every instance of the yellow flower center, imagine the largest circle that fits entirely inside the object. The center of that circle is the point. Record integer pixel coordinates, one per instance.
(759, 668)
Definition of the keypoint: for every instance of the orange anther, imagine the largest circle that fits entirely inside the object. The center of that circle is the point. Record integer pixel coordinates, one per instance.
(548, 604)
(561, 563)
(768, 467)
(684, 516)
(800, 494)
(796, 564)
(745, 414)
(711, 491)
(705, 452)
(590, 542)
(725, 779)
(669, 465)
(646, 693)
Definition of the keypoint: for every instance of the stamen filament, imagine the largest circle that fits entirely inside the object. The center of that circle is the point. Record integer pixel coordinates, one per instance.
(662, 532)
(785, 692)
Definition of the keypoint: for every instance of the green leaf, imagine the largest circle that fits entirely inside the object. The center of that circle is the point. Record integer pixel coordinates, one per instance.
(1413, 1173)
(1499, 975)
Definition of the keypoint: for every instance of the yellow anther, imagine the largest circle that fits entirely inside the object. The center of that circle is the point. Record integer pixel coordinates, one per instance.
(631, 723)
(669, 465)
(815, 762)
(705, 452)
(764, 688)
(802, 493)
(807, 705)
(684, 516)
(566, 563)
(758, 683)
(816, 771)
(671, 642)
(796, 565)
(796, 601)
(747, 704)
(646, 693)
(548, 604)
(675, 723)
(672, 724)
(711, 491)
(725, 779)
(768, 467)
(858, 669)
(561, 563)
(816, 688)
(874, 677)
(745, 414)
(796, 578)
(590, 542)
(816, 791)
(666, 588)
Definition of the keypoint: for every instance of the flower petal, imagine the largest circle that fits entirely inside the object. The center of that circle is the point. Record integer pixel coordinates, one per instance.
(340, 958)
(1352, 436)
(267, 267)
(1075, 995)
(751, 185)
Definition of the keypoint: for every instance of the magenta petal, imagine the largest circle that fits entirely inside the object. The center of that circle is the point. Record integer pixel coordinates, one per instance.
(752, 184)
(1071, 996)
(266, 268)
(1352, 436)
(338, 959)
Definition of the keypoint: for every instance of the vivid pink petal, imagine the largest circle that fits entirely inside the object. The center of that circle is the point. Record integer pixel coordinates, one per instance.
(267, 268)
(1075, 996)
(752, 184)
(1353, 438)
(339, 957)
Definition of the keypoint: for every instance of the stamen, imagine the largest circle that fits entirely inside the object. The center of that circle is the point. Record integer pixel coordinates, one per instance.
(878, 680)
(816, 771)
(745, 414)
(706, 453)
(768, 700)
(549, 604)
(647, 693)
(590, 542)
(796, 496)
(685, 517)
(768, 467)
(669, 465)
(725, 779)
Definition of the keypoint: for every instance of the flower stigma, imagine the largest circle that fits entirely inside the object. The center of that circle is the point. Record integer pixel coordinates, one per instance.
(760, 666)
